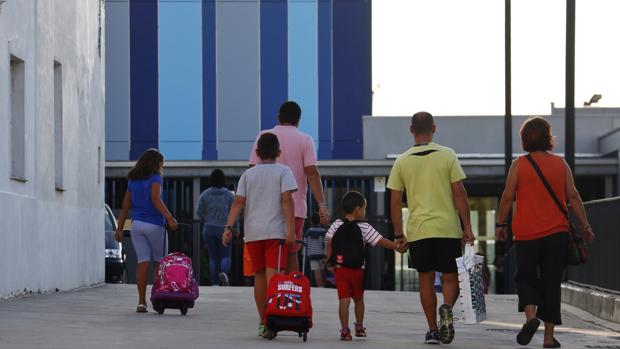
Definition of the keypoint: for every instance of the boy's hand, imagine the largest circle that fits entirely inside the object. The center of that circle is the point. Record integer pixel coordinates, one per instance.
(290, 239)
(226, 237)
(402, 245)
(403, 248)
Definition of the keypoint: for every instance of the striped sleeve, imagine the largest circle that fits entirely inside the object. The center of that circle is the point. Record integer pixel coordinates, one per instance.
(332, 229)
(369, 234)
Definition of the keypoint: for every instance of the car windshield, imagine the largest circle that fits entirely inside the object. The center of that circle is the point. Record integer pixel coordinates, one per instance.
(109, 221)
(110, 242)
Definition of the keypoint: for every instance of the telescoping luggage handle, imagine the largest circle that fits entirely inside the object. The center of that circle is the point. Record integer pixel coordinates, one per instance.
(303, 244)
(166, 229)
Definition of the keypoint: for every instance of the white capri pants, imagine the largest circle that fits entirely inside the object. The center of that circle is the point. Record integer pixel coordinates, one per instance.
(149, 240)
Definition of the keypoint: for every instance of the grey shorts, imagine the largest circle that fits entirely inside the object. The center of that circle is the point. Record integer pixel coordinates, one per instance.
(149, 241)
(317, 264)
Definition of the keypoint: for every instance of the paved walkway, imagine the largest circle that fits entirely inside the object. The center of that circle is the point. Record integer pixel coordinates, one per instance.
(103, 317)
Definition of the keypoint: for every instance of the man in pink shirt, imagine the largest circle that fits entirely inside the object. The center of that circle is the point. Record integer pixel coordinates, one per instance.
(299, 155)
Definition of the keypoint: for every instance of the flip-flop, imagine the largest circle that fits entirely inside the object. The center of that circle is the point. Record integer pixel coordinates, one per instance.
(556, 344)
(527, 331)
(141, 309)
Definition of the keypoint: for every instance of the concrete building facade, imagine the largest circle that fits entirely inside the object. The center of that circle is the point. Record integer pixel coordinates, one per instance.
(51, 145)
(199, 78)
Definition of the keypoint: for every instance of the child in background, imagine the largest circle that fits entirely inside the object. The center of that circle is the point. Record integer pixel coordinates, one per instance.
(315, 242)
(346, 239)
(438, 284)
(266, 193)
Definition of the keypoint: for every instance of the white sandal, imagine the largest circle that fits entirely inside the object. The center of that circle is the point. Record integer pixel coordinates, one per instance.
(141, 309)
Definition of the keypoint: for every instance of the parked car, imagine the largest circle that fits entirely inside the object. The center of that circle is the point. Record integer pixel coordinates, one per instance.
(114, 257)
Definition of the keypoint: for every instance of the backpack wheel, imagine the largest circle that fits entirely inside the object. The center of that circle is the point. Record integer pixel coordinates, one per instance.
(270, 334)
(159, 310)
(305, 336)
(183, 311)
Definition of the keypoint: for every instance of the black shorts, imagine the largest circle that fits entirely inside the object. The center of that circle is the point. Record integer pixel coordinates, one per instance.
(435, 254)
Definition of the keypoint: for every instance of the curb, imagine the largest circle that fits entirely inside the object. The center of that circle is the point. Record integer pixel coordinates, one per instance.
(604, 304)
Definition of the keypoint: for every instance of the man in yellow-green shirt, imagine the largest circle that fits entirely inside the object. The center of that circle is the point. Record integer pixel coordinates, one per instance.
(432, 178)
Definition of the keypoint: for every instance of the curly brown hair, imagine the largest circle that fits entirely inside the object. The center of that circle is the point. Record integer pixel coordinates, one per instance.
(147, 165)
(536, 135)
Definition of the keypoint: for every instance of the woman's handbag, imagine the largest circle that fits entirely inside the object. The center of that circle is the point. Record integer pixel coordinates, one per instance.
(577, 248)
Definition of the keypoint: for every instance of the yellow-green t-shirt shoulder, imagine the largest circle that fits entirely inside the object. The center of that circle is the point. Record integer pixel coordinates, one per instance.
(426, 173)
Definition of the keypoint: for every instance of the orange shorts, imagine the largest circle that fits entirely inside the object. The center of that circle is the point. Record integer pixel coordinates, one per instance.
(247, 262)
(264, 254)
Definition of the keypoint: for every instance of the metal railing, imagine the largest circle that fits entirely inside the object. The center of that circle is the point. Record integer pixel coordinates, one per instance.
(601, 270)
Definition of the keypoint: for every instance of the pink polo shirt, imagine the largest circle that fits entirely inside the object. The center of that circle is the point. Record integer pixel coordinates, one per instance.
(297, 153)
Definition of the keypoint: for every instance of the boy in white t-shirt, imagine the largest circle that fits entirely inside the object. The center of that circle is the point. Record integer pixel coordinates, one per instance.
(266, 193)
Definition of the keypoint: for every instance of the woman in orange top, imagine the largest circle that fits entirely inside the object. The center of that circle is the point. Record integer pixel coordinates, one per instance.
(540, 229)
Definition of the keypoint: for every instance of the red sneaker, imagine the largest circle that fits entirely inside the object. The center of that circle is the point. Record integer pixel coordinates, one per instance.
(345, 335)
(360, 330)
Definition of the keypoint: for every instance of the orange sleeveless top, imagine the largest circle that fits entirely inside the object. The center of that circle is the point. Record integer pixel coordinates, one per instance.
(536, 214)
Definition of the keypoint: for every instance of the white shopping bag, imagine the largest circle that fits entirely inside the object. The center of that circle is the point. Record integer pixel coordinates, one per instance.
(471, 299)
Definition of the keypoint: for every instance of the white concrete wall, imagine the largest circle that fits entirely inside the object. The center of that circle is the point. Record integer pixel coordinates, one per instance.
(52, 239)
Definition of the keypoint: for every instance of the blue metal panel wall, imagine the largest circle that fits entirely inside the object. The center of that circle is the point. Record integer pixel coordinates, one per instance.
(238, 85)
(352, 75)
(273, 59)
(303, 62)
(143, 65)
(209, 120)
(180, 79)
(117, 80)
(325, 79)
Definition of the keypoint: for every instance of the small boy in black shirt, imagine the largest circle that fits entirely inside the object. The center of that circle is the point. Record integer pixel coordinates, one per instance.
(346, 239)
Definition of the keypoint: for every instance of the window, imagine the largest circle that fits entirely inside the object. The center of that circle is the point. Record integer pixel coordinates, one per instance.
(58, 126)
(18, 125)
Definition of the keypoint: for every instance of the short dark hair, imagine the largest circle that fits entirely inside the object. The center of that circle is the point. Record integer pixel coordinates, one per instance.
(351, 200)
(315, 219)
(147, 165)
(217, 178)
(422, 123)
(536, 135)
(290, 113)
(267, 146)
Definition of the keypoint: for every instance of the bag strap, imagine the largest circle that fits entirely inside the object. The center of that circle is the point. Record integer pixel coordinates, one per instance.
(547, 185)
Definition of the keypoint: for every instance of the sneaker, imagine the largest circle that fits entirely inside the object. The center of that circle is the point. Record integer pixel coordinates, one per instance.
(261, 330)
(224, 279)
(446, 324)
(432, 337)
(360, 330)
(345, 335)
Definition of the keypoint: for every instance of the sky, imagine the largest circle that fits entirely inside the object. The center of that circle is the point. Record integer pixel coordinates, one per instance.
(447, 56)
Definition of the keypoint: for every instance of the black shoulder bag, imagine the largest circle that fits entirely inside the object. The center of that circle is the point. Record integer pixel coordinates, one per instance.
(577, 248)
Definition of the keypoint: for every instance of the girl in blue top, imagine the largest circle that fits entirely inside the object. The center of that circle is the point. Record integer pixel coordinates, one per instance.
(149, 216)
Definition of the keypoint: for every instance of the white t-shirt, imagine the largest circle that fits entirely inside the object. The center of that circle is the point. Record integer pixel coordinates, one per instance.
(369, 234)
(262, 187)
